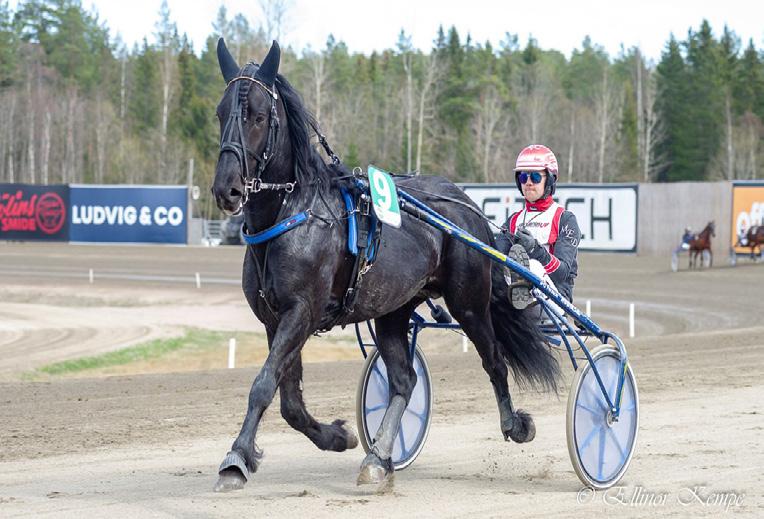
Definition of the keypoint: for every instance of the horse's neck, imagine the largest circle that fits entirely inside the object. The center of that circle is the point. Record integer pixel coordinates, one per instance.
(269, 207)
(262, 211)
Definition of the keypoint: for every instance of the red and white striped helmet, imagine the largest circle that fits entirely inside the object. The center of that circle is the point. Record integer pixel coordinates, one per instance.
(537, 158)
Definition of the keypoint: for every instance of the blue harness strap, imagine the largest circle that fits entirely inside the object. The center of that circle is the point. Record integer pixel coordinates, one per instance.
(370, 247)
(352, 231)
(277, 230)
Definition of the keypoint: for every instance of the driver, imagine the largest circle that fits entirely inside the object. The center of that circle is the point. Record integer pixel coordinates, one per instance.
(687, 238)
(543, 236)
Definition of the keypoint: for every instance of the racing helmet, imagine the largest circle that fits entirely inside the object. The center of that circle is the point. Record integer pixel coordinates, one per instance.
(537, 157)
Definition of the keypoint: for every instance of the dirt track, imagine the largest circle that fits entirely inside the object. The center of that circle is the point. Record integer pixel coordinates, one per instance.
(149, 445)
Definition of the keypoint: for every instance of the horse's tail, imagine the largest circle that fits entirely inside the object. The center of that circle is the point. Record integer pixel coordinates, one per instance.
(521, 343)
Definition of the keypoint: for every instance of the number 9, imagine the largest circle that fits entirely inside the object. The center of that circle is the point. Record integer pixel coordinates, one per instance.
(383, 189)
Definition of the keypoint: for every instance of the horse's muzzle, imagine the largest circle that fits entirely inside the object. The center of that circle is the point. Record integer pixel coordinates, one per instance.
(228, 188)
(228, 197)
(230, 202)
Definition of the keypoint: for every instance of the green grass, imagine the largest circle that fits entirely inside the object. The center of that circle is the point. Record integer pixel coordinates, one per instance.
(193, 339)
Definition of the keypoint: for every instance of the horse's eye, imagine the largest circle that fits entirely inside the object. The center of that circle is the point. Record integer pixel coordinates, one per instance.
(259, 119)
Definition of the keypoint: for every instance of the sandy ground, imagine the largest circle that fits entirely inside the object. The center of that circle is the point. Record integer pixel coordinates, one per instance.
(148, 445)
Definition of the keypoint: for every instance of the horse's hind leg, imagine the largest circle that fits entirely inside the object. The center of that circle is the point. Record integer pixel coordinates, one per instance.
(332, 437)
(515, 424)
(392, 342)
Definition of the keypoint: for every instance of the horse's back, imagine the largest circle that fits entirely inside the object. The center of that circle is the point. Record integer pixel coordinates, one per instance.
(448, 199)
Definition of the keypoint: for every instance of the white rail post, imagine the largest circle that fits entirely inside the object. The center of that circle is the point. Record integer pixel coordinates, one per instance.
(588, 308)
(198, 281)
(90, 276)
(631, 320)
(231, 353)
(464, 343)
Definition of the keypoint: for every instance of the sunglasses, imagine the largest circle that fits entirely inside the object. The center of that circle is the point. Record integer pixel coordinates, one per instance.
(535, 176)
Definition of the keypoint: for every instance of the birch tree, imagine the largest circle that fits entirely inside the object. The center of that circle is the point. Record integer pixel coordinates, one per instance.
(485, 123)
(405, 49)
(318, 77)
(431, 74)
(276, 16)
(167, 46)
(606, 108)
(654, 130)
(30, 122)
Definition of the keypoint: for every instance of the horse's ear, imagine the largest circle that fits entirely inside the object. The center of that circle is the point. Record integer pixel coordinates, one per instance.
(270, 66)
(228, 65)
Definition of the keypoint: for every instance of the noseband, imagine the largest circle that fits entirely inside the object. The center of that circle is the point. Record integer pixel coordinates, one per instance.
(236, 119)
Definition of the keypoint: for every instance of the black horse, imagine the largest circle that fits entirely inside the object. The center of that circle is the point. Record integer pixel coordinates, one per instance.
(296, 282)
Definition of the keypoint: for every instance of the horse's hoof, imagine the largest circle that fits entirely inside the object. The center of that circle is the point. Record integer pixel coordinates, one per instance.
(230, 479)
(347, 434)
(523, 429)
(352, 439)
(233, 473)
(375, 471)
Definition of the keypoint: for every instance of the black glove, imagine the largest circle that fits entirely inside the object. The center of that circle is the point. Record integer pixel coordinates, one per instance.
(526, 239)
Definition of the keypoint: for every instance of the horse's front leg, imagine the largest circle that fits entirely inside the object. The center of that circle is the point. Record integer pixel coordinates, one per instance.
(392, 342)
(242, 460)
(332, 437)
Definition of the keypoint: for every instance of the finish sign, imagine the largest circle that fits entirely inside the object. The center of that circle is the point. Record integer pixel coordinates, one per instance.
(384, 197)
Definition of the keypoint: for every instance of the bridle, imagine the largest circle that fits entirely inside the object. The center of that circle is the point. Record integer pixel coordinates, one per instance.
(236, 118)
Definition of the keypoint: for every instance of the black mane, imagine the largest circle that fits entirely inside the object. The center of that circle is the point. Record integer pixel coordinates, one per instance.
(310, 164)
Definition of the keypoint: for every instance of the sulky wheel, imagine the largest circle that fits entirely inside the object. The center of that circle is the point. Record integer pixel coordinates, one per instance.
(674, 261)
(601, 448)
(372, 399)
(706, 258)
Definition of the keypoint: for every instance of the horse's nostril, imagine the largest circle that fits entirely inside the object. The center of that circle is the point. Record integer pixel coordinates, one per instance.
(234, 193)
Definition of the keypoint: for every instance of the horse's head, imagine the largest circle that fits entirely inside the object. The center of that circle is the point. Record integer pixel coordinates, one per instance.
(250, 114)
(712, 228)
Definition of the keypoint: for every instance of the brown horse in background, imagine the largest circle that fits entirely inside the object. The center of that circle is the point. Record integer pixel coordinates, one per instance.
(753, 238)
(702, 242)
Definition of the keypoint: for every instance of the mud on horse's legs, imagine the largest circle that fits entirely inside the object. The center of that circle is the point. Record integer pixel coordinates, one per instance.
(392, 341)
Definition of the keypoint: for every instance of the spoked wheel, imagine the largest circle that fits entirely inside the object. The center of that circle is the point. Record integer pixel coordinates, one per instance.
(372, 399)
(601, 448)
(674, 261)
(706, 258)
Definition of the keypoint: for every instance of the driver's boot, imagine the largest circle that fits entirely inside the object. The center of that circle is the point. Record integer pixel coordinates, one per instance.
(519, 289)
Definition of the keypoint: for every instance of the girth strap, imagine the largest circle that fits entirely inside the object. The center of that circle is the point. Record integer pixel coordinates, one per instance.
(363, 240)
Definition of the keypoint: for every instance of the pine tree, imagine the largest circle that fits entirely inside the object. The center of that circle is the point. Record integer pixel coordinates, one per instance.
(190, 119)
(8, 47)
(74, 42)
(673, 81)
(585, 69)
(748, 82)
(145, 100)
(705, 103)
(455, 105)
